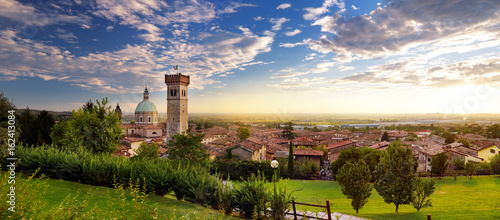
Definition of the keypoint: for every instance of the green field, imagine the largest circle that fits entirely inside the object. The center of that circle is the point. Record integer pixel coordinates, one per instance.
(478, 198)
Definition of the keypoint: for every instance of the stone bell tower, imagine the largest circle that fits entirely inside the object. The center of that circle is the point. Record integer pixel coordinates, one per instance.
(177, 104)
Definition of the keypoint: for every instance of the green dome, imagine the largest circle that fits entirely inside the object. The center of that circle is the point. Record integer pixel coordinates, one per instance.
(146, 106)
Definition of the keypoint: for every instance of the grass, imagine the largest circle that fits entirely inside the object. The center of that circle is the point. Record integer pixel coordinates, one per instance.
(58, 190)
(478, 198)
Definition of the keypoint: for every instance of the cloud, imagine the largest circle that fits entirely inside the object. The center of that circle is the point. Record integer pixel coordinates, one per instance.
(288, 73)
(290, 45)
(314, 13)
(284, 6)
(400, 27)
(29, 15)
(293, 33)
(110, 28)
(66, 35)
(354, 7)
(277, 23)
(297, 84)
(231, 8)
(125, 70)
(259, 18)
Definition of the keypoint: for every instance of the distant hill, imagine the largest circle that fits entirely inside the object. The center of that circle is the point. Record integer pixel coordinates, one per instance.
(57, 115)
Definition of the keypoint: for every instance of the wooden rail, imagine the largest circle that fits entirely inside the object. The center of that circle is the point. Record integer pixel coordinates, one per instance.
(328, 212)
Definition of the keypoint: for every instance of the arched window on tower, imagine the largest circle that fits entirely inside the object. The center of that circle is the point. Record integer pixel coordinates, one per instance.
(171, 92)
(175, 92)
(140, 119)
(149, 119)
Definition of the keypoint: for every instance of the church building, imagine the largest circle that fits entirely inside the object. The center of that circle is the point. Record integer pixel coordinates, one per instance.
(146, 119)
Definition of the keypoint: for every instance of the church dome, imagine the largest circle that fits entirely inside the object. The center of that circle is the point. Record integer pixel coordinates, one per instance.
(146, 106)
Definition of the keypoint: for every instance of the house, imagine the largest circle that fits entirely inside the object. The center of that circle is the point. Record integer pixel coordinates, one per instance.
(425, 155)
(249, 150)
(473, 137)
(132, 144)
(304, 142)
(272, 148)
(302, 155)
(337, 147)
(487, 151)
(397, 135)
(308, 154)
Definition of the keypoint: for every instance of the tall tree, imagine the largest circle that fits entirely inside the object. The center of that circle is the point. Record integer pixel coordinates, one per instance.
(290, 160)
(395, 175)
(44, 124)
(187, 148)
(96, 128)
(288, 131)
(243, 133)
(495, 164)
(421, 194)
(385, 137)
(439, 164)
(354, 180)
(27, 124)
(5, 106)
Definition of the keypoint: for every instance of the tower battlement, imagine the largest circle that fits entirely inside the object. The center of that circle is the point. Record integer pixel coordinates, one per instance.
(177, 79)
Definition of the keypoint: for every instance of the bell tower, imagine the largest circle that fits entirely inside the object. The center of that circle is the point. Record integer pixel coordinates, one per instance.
(177, 104)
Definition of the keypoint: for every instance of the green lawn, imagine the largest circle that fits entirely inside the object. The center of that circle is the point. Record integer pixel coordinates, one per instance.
(58, 190)
(478, 198)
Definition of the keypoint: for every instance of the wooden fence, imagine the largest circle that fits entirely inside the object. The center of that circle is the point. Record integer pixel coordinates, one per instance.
(329, 214)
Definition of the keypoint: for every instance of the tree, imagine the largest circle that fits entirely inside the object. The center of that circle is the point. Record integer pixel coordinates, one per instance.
(243, 133)
(27, 125)
(44, 123)
(352, 154)
(470, 167)
(290, 160)
(459, 164)
(449, 137)
(288, 131)
(187, 148)
(354, 180)
(385, 137)
(5, 106)
(395, 175)
(495, 164)
(439, 164)
(465, 142)
(96, 129)
(147, 151)
(421, 194)
(493, 131)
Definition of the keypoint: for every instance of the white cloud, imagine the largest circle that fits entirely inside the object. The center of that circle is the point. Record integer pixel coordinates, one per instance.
(293, 33)
(354, 7)
(29, 15)
(109, 28)
(231, 8)
(277, 23)
(400, 27)
(314, 13)
(84, 26)
(284, 6)
(289, 45)
(259, 18)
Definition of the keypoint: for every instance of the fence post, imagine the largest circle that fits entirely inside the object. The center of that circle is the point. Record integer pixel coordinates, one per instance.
(428, 216)
(294, 210)
(328, 210)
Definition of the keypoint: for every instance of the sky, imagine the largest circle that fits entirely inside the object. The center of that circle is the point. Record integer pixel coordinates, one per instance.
(318, 56)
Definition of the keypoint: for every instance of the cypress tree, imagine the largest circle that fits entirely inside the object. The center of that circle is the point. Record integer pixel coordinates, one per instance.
(290, 160)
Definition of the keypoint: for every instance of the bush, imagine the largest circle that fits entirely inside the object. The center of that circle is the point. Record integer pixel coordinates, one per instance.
(251, 197)
(306, 169)
(495, 164)
(279, 201)
(243, 169)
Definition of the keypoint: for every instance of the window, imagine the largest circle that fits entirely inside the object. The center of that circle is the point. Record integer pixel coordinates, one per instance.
(132, 131)
(140, 119)
(171, 92)
(429, 159)
(175, 92)
(149, 119)
(154, 132)
(492, 151)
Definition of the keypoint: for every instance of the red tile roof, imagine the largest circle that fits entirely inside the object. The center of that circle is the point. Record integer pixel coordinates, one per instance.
(307, 152)
(340, 144)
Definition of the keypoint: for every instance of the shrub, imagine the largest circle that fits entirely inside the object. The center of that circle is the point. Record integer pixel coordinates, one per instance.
(422, 191)
(459, 164)
(279, 201)
(251, 197)
(495, 164)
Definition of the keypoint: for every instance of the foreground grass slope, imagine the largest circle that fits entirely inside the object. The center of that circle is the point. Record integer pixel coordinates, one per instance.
(58, 190)
(478, 198)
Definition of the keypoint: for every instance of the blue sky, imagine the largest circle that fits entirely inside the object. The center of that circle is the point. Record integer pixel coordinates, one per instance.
(319, 56)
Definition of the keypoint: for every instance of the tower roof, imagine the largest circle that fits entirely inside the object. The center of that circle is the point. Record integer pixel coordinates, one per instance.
(177, 79)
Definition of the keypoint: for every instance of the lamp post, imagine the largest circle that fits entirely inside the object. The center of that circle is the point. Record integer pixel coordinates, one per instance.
(274, 165)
